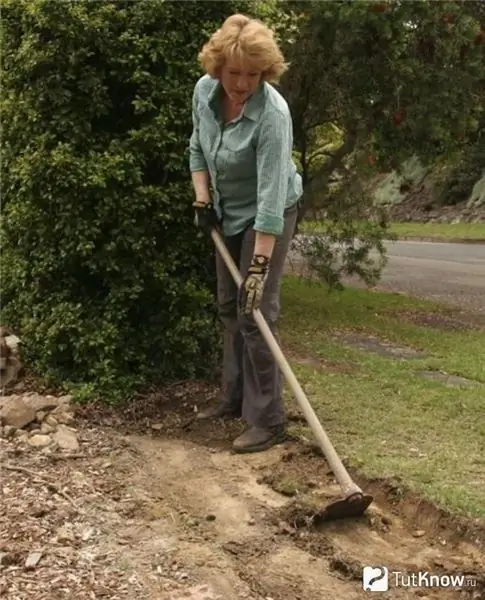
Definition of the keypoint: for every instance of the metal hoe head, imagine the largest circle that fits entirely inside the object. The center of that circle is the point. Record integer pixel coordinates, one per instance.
(354, 505)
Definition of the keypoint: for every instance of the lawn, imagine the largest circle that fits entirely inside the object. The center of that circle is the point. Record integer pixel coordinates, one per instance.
(378, 411)
(446, 232)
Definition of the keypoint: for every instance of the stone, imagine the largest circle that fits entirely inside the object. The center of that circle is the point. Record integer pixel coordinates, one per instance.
(46, 428)
(62, 415)
(9, 431)
(66, 399)
(449, 380)
(33, 560)
(40, 403)
(65, 438)
(21, 434)
(16, 412)
(51, 421)
(200, 592)
(39, 440)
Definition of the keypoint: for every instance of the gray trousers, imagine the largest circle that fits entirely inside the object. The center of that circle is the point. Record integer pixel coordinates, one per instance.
(251, 379)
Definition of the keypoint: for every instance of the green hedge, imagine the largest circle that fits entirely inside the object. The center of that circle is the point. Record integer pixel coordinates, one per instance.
(104, 277)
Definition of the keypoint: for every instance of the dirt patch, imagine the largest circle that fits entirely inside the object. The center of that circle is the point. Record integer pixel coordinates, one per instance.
(381, 347)
(164, 511)
(236, 529)
(444, 322)
(304, 472)
(299, 354)
(322, 363)
(449, 380)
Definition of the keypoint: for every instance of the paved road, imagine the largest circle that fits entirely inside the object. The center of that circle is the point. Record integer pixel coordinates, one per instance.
(450, 273)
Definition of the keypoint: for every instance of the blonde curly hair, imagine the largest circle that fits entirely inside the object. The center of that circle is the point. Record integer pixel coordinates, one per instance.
(247, 40)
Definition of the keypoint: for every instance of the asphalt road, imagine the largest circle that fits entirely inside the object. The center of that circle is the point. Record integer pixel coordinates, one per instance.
(445, 272)
(450, 273)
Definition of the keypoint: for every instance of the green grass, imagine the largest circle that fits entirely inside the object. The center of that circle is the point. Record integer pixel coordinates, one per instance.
(378, 412)
(471, 232)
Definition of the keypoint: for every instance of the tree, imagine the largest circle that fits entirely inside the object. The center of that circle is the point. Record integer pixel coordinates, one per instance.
(372, 84)
(105, 279)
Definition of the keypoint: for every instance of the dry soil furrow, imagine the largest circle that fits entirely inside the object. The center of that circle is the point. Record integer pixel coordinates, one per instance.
(254, 547)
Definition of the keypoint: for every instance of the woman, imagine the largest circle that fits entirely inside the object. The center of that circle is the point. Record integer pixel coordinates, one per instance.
(241, 148)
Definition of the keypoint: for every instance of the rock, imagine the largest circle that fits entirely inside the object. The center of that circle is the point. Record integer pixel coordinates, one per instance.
(33, 559)
(87, 534)
(66, 438)
(41, 403)
(10, 364)
(9, 431)
(62, 414)
(46, 428)
(21, 435)
(51, 421)
(39, 421)
(477, 196)
(66, 399)
(39, 440)
(16, 412)
(418, 533)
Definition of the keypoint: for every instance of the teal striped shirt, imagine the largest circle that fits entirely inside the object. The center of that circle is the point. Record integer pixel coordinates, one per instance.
(249, 160)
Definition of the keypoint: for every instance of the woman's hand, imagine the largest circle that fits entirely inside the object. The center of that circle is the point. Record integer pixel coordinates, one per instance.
(205, 216)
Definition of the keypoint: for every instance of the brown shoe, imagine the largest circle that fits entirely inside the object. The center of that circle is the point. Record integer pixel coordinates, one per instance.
(257, 439)
(222, 411)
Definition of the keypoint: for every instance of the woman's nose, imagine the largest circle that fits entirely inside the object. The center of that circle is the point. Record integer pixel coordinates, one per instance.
(242, 84)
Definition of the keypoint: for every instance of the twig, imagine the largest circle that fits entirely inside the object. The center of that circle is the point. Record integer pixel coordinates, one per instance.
(46, 482)
(59, 456)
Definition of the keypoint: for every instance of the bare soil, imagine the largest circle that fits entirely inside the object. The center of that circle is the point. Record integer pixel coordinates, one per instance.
(156, 507)
(455, 321)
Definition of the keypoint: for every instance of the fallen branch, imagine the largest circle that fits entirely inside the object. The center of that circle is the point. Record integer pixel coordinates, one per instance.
(50, 484)
(59, 456)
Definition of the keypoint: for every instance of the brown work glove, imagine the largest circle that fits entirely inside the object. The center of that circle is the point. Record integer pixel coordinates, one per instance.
(252, 288)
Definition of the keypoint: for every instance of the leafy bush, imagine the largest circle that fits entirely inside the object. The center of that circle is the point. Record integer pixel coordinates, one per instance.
(105, 279)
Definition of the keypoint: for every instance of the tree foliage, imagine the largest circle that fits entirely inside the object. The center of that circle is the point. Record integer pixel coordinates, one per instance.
(104, 277)
(372, 84)
(396, 78)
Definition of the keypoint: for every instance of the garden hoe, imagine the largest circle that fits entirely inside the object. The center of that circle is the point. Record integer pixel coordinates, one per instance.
(354, 501)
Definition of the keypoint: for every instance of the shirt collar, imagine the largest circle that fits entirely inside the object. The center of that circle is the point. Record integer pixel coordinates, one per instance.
(255, 104)
(253, 107)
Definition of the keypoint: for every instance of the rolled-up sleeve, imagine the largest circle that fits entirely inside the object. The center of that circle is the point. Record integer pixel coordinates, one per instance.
(197, 161)
(273, 160)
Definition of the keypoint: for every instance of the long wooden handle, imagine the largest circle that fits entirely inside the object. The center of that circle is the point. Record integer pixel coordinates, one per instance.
(347, 484)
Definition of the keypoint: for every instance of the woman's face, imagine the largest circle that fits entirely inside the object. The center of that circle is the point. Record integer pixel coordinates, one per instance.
(240, 80)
